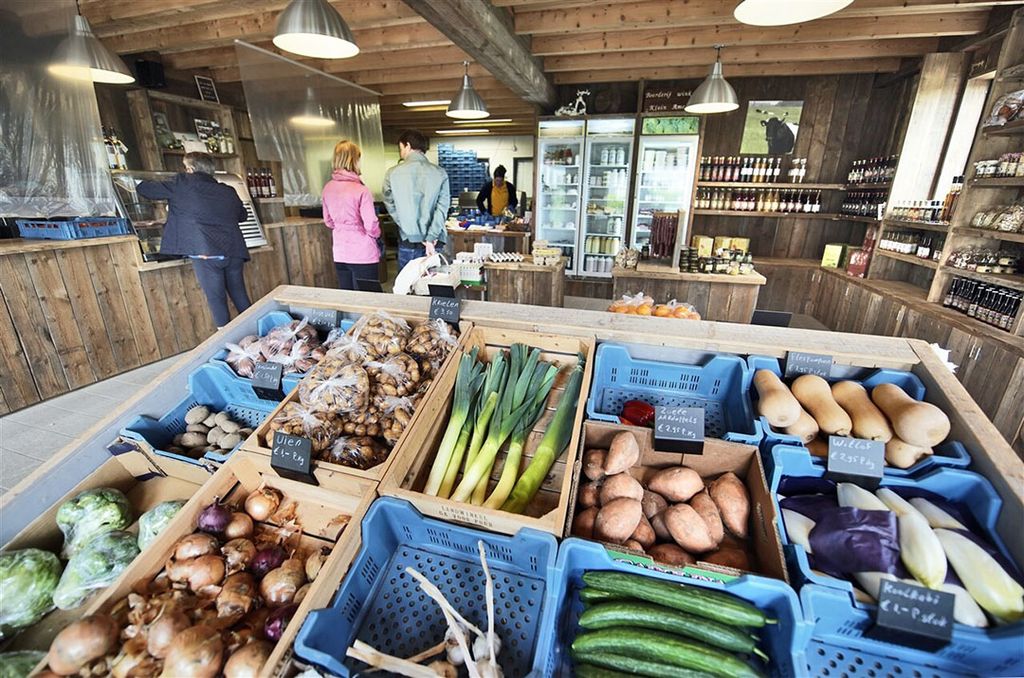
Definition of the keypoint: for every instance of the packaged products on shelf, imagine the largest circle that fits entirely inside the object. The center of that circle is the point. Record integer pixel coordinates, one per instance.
(869, 203)
(873, 170)
(985, 260)
(925, 211)
(1004, 218)
(759, 200)
(922, 245)
(998, 306)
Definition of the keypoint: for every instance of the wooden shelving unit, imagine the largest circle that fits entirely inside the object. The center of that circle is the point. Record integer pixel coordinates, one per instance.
(938, 227)
(767, 215)
(855, 217)
(1009, 129)
(990, 234)
(868, 187)
(908, 259)
(998, 182)
(780, 186)
(1014, 281)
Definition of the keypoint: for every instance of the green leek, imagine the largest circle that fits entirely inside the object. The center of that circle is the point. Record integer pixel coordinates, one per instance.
(453, 466)
(467, 383)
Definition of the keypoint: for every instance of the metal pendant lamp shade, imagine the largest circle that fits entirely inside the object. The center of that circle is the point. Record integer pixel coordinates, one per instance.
(467, 104)
(81, 56)
(714, 95)
(784, 12)
(314, 29)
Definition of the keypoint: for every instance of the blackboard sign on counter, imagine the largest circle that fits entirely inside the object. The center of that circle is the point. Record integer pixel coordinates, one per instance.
(292, 457)
(913, 615)
(679, 429)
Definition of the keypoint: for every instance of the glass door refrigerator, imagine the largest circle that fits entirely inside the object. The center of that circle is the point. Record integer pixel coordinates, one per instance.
(666, 164)
(560, 175)
(609, 158)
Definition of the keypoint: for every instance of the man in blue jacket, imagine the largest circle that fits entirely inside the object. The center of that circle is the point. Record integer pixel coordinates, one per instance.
(202, 224)
(417, 197)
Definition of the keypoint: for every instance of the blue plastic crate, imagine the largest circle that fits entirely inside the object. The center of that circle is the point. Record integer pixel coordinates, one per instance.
(841, 622)
(72, 229)
(215, 386)
(380, 604)
(952, 454)
(721, 386)
(784, 641)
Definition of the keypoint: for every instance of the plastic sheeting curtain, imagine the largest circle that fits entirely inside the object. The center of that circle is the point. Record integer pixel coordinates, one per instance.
(52, 158)
(299, 114)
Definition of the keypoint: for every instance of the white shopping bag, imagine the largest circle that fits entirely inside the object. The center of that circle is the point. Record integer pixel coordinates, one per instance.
(413, 271)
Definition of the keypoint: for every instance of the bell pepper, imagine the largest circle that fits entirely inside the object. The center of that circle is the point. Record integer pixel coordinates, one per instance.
(637, 413)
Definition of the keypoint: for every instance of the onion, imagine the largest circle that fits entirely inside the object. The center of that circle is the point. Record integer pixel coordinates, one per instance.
(195, 545)
(239, 526)
(254, 622)
(163, 629)
(214, 518)
(239, 553)
(197, 652)
(315, 561)
(237, 596)
(199, 572)
(247, 661)
(300, 595)
(280, 586)
(81, 642)
(133, 660)
(263, 503)
(267, 559)
(277, 621)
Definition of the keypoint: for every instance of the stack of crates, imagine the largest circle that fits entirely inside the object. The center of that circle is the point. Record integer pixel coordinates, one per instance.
(464, 170)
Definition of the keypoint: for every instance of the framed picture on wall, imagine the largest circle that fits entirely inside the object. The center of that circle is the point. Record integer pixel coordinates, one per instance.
(771, 127)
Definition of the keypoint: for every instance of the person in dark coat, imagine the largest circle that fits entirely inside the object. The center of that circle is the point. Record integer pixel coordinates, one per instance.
(202, 224)
(497, 194)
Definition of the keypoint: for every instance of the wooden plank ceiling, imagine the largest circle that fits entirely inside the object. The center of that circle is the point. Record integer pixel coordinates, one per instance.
(406, 58)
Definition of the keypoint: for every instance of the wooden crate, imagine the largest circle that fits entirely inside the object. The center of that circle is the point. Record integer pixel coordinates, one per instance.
(408, 474)
(328, 518)
(143, 492)
(327, 473)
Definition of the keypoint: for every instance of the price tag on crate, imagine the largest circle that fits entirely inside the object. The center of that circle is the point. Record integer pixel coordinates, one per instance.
(679, 429)
(798, 363)
(853, 460)
(292, 457)
(913, 615)
(323, 318)
(448, 309)
(266, 381)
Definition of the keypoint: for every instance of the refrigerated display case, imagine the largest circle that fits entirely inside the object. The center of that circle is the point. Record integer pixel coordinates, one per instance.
(558, 203)
(608, 161)
(665, 174)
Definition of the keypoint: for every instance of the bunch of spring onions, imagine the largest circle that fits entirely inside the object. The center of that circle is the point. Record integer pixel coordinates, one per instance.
(494, 409)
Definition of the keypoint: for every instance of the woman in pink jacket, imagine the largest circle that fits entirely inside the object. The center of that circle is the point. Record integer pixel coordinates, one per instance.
(348, 212)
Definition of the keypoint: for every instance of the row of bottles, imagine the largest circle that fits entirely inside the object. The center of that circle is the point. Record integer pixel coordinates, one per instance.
(260, 182)
(925, 211)
(601, 245)
(759, 200)
(611, 155)
(872, 170)
(1007, 165)
(949, 203)
(560, 155)
(914, 243)
(221, 142)
(598, 264)
(756, 170)
(116, 149)
(984, 260)
(615, 178)
(993, 304)
(869, 203)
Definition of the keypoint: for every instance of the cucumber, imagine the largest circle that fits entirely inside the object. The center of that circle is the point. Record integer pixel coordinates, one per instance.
(591, 671)
(593, 595)
(650, 616)
(623, 666)
(661, 647)
(715, 605)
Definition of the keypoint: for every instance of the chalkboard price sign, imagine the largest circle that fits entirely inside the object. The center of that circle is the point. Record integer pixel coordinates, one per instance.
(679, 429)
(266, 381)
(913, 615)
(448, 309)
(292, 457)
(808, 363)
(852, 460)
(323, 317)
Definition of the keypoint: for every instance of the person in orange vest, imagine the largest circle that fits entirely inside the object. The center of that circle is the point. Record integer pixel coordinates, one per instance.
(497, 194)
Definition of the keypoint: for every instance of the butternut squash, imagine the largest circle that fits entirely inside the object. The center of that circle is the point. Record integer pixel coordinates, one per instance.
(775, 402)
(818, 448)
(814, 394)
(868, 421)
(915, 423)
(901, 455)
(805, 428)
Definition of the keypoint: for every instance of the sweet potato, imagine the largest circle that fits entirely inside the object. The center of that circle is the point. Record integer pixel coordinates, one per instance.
(644, 533)
(593, 464)
(620, 485)
(676, 483)
(706, 509)
(634, 545)
(653, 503)
(589, 495)
(729, 557)
(622, 453)
(670, 554)
(583, 523)
(688, 529)
(617, 520)
(733, 503)
(658, 525)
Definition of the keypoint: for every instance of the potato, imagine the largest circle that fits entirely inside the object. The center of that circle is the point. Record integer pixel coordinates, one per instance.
(653, 503)
(589, 495)
(229, 441)
(633, 545)
(176, 440)
(211, 420)
(196, 428)
(222, 417)
(215, 434)
(229, 426)
(193, 439)
(706, 509)
(729, 557)
(676, 483)
(623, 453)
(583, 523)
(670, 554)
(593, 464)
(733, 503)
(644, 533)
(620, 485)
(688, 529)
(197, 415)
(659, 527)
(617, 520)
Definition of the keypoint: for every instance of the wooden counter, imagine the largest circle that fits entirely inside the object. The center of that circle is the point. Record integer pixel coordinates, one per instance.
(525, 282)
(463, 239)
(723, 298)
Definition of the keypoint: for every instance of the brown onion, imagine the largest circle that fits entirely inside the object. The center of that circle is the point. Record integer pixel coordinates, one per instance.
(133, 660)
(315, 561)
(237, 596)
(301, 594)
(247, 661)
(239, 553)
(240, 526)
(280, 586)
(199, 572)
(195, 545)
(263, 503)
(197, 652)
(163, 629)
(254, 621)
(81, 642)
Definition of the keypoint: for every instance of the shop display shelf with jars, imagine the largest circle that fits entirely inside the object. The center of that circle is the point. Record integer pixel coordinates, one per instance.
(909, 259)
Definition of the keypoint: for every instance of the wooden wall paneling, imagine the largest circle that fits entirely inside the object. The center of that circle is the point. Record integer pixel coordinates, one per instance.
(293, 258)
(86, 309)
(16, 381)
(160, 313)
(588, 289)
(1009, 415)
(126, 259)
(119, 325)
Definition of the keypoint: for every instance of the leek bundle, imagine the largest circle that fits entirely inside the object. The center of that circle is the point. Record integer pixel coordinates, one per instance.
(467, 384)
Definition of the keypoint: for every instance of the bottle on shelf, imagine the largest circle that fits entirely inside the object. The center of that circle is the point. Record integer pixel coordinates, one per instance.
(992, 304)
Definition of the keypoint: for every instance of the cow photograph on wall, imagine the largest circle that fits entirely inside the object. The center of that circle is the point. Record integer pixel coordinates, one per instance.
(771, 127)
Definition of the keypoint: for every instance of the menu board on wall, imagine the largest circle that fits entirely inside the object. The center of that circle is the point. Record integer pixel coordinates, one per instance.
(669, 96)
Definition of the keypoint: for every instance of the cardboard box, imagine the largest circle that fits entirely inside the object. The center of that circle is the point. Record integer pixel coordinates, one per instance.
(719, 457)
(721, 242)
(857, 261)
(703, 244)
(834, 255)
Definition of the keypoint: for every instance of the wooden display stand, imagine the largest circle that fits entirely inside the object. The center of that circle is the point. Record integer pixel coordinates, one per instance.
(525, 282)
(463, 239)
(719, 297)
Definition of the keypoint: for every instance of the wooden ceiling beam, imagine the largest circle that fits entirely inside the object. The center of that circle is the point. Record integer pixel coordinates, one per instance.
(826, 30)
(876, 49)
(486, 33)
(802, 68)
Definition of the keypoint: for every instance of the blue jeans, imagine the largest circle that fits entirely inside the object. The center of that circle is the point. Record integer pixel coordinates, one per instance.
(407, 251)
(220, 278)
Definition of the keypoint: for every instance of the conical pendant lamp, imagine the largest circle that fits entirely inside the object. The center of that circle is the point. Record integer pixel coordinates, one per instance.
(467, 104)
(714, 95)
(783, 12)
(81, 56)
(314, 29)
(312, 114)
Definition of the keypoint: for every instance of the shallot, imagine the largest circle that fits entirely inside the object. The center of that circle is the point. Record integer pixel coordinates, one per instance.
(238, 595)
(315, 561)
(198, 572)
(238, 553)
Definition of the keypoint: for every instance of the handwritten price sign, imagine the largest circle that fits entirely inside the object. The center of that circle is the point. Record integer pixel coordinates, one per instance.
(856, 461)
(913, 615)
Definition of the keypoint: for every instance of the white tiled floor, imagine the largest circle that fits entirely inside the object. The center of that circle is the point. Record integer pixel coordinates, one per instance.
(33, 435)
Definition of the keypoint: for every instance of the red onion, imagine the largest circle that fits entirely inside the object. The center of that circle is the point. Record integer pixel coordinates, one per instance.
(267, 559)
(277, 621)
(214, 518)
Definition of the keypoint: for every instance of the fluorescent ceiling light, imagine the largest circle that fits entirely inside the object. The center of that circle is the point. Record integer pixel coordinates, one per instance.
(490, 121)
(462, 131)
(81, 56)
(714, 95)
(314, 29)
(421, 104)
(783, 12)
(467, 104)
